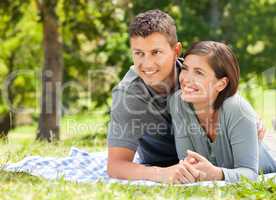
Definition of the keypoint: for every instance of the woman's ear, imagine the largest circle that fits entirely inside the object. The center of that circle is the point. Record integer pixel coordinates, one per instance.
(178, 49)
(222, 83)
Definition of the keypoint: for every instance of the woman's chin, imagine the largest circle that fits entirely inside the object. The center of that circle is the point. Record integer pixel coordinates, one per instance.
(189, 98)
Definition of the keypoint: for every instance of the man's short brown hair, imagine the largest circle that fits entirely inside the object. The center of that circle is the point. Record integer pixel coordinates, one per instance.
(154, 21)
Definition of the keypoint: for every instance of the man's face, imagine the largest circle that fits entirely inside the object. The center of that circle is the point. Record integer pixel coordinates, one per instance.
(154, 58)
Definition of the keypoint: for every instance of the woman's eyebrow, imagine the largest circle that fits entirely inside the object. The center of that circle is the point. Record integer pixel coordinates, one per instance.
(200, 69)
(184, 66)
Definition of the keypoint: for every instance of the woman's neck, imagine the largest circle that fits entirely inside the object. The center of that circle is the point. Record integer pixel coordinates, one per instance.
(208, 118)
(203, 111)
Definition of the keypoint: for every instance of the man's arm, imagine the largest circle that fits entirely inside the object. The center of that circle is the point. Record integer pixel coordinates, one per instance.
(120, 166)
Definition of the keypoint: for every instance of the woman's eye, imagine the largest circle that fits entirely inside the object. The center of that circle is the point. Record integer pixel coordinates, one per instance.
(199, 73)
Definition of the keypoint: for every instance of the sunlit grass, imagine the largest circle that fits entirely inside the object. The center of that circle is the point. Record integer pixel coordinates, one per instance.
(88, 131)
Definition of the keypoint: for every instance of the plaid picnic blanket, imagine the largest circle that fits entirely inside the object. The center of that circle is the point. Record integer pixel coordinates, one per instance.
(81, 166)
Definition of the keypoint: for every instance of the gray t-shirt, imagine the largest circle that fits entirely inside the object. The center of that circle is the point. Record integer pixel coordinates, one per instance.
(140, 121)
(236, 148)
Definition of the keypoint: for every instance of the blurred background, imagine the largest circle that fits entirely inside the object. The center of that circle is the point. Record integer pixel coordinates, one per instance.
(71, 53)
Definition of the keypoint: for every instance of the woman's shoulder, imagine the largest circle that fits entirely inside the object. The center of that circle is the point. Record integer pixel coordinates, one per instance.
(236, 107)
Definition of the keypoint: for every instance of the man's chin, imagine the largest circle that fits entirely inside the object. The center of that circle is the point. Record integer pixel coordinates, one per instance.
(151, 83)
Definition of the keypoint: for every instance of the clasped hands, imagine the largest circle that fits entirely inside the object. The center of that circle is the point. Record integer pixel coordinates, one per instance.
(192, 169)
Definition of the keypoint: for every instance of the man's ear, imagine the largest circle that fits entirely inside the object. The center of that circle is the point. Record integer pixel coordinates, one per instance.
(222, 83)
(178, 49)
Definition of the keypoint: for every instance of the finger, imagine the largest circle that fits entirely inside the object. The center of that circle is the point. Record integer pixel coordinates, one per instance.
(180, 174)
(190, 160)
(182, 179)
(195, 155)
(192, 170)
(261, 134)
(186, 174)
(260, 128)
(177, 178)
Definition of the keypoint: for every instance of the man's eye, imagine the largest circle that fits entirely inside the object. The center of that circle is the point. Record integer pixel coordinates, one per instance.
(156, 52)
(138, 53)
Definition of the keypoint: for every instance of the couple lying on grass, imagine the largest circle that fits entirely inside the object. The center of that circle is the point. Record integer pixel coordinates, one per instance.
(183, 116)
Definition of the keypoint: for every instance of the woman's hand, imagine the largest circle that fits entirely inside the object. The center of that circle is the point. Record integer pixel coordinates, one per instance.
(204, 166)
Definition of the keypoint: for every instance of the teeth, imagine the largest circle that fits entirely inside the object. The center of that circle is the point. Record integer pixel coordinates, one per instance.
(149, 72)
(188, 89)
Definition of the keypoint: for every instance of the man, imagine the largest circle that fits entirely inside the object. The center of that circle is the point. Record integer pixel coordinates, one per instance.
(140, 120)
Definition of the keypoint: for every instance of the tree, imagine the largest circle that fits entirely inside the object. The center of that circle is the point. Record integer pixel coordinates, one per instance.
(49, 121)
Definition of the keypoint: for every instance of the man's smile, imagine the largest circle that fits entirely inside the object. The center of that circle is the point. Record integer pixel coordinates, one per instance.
(150, 72)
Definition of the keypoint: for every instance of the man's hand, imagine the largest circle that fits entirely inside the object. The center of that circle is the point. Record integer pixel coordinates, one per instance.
(261, 129)
(207, 169)
(179, 173)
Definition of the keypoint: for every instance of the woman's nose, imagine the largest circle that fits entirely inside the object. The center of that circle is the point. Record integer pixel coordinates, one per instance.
(184, 77)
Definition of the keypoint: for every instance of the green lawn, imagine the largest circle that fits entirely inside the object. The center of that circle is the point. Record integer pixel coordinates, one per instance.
(88, 132)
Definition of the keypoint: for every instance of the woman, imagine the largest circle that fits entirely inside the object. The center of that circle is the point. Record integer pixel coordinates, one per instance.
(215, 128)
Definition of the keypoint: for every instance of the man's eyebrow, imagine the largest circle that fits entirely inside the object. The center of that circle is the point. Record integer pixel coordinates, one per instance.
(156, 49)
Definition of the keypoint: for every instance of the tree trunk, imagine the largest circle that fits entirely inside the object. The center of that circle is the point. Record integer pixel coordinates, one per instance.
(49, 121)
(6, 125)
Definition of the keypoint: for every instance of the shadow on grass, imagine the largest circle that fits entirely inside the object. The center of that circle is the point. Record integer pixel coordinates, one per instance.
(87, 140)
(14, 177)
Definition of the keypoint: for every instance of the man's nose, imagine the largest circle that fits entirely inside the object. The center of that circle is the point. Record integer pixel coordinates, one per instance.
(148, 61)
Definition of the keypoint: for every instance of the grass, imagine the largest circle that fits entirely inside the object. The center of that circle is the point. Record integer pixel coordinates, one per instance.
(88, 132)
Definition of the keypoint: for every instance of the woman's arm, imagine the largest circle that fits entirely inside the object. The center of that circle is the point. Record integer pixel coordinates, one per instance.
(244, 143)
(240, 122)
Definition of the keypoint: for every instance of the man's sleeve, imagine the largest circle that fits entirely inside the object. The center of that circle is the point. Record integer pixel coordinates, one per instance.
(126, 123)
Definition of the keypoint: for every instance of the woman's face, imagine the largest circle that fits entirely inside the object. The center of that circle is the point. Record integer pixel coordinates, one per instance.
(198, 82)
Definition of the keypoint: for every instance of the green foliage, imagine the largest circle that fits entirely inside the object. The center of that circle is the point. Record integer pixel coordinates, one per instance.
(96, 44)
(21, 55)
(248, 26)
